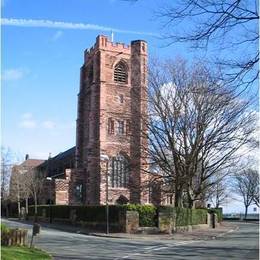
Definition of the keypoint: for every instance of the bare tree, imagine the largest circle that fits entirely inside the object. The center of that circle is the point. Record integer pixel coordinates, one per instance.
(219, 193)
(16, 187)
(256, 197)
(34, 184)
(26, 182)
(246, 185)
(6, 166)
(228, 27)
(195, 126)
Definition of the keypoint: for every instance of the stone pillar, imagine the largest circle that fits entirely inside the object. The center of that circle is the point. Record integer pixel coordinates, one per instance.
(129, 221)
(166, 222)
(216, 220)
(211, 220)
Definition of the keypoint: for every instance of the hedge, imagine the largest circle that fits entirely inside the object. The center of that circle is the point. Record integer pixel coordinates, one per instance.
(219, 213)
(186, 216)
(83, 213)
(147, 214)
(4, 228)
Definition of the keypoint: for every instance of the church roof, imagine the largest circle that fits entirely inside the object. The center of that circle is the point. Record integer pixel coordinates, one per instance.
(31, 163)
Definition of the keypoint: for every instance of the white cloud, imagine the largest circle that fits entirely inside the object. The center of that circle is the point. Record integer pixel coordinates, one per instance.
(28, 123)
(27, 115)
(48, 124)
(13, 74)
(66, 25)
(57, 35)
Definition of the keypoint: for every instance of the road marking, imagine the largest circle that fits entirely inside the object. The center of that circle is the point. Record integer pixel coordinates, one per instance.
(229, 231)
(156, 248)
(149, 248)
(159, 248)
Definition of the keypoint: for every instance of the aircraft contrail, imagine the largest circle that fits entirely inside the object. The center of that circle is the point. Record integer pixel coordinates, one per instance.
(67, 25)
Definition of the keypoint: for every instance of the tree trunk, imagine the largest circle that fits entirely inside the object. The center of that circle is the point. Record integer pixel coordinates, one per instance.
(35, 208)
(246, 208)
(26, 206)
(19, 209)
(6, 210)
(177, 199)
(191, 203)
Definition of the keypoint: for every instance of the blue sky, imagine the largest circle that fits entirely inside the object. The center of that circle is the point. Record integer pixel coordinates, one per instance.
(40, 63)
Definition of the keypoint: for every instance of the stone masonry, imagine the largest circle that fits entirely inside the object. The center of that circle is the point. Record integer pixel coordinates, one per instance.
(111, 103)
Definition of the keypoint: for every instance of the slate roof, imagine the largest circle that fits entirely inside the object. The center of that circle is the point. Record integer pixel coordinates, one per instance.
(69, 152)
(32, 163)
(60, 156)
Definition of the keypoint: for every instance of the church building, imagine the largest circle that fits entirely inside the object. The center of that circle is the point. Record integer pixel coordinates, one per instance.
(108, 163)
(112, 102)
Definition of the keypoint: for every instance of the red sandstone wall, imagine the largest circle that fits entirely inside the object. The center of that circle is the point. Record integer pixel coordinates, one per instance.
(99, 100)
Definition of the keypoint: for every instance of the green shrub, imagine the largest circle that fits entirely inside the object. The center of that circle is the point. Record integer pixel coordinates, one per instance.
(84, 213)
(147, 214)
(39, 210)
(183, 216)
(218, 212)
(4, 232)
(97, 213)
(4, 228)
(186, 216)
(60, 211)
(199, 216)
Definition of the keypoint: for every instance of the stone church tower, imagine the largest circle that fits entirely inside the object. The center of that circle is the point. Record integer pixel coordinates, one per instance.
(111, 103)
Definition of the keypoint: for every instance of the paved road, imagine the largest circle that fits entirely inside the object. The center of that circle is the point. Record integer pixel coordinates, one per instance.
(240, 244)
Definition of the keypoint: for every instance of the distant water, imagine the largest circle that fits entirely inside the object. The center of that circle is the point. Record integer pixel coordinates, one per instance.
(251, 216)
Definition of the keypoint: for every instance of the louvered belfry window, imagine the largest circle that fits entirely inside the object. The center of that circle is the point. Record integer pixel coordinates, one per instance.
(120, 73)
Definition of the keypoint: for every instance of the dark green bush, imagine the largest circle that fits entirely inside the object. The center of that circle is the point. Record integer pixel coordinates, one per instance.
(218, 212)
(39, 210)
(97, 213)
(199, 216)
(84, 213)
(4, 232)
(60, 211)
(4, 228)
(186, 216)
(147, 214)
(183, 216)
(13, 210)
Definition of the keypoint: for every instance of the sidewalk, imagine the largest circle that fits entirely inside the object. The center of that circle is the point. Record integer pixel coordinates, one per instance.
(197, 234)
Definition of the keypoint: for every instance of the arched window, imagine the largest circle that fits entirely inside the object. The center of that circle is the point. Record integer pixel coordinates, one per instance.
(120, 73)
(119, 172)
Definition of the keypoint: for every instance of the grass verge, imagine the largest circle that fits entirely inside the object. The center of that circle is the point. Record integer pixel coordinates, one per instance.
(22, 253)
